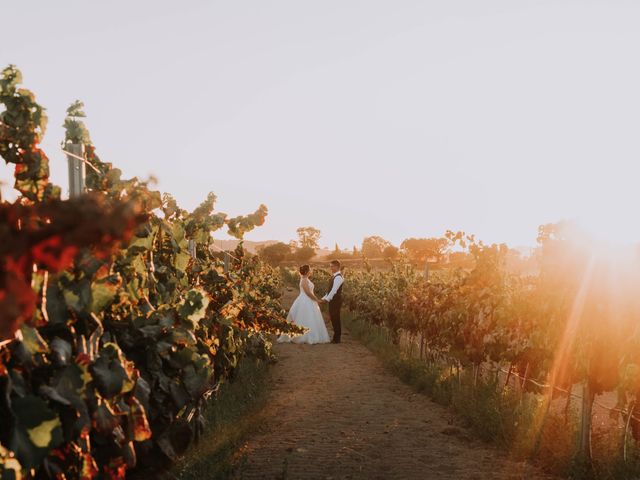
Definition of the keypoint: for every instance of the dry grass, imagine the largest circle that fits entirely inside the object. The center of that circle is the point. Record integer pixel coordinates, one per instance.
(230, 417)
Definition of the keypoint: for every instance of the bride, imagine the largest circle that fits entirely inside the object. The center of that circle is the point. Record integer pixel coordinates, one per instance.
(305, 312)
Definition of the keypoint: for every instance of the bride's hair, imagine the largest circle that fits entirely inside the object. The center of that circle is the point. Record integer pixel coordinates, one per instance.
(304, 269)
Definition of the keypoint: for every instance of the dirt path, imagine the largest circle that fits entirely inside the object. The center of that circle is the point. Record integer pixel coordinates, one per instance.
(335, 413)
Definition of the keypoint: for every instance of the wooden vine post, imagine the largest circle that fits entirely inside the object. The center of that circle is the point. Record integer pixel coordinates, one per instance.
(191, 247)
(625, 438)
(77, 171)
(585, 424)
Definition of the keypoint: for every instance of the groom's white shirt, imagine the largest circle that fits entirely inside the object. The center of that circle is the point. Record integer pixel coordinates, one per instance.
(336, 285)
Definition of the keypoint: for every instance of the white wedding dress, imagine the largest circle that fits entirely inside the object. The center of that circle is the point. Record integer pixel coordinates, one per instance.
(306, 313)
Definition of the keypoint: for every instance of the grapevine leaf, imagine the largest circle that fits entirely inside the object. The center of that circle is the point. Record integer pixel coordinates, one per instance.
(109, 372)
(37, 430)
(61, 351)
(103, 292)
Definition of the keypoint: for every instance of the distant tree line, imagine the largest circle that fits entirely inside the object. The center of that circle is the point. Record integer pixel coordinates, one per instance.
(301, 250)
(304, 249)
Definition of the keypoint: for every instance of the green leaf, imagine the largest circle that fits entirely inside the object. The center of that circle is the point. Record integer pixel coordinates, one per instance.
(37, 430)
(56, 304)
(61, 351)
(42, 435)
(182, 261)
(109, 371)
(32, 340)
(78, 297)
(143, 242)
(178, 233)
(139, 265)
(196, 381)
(194, 306)
(103, 292)
(105, 419)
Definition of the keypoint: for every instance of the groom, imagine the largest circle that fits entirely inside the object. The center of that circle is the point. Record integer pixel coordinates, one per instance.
(334, 299)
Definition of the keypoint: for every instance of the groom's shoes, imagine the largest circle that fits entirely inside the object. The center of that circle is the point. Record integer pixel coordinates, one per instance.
(335, 341)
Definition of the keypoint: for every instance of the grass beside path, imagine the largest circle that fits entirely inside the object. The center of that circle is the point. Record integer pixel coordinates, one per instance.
(506, 418)
(501, 418)
(230, 416)
(483, 408)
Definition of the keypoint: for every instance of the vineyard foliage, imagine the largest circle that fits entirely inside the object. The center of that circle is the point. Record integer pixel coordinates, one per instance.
(117, 321)
(576, 321)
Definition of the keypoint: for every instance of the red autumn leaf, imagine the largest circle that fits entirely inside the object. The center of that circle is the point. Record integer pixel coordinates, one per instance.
(53, 254)
(17, 304)
(18, 266)
(116, 470)
(83, 359)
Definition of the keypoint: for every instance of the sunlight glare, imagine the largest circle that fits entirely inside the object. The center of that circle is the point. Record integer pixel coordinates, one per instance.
(612, 228)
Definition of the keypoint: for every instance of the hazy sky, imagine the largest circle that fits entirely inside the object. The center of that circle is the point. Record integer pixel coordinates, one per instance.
(391, 118)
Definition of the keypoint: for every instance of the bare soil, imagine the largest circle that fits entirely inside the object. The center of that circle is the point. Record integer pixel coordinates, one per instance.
(334, 412)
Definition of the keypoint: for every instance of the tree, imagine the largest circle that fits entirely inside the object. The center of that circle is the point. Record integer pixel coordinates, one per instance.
(372, 247)
(275, 253)
(425, 249)
(308, 237)
(390, 252)
(304, 254)
(461, 259)
(338, 254)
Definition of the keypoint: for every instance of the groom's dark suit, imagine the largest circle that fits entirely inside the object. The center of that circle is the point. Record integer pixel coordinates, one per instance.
(335, 305)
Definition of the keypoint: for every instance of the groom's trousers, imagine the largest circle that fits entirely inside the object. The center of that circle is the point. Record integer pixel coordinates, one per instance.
(334, 315)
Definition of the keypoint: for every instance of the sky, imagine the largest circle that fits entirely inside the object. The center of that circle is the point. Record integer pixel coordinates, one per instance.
(393, 118)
